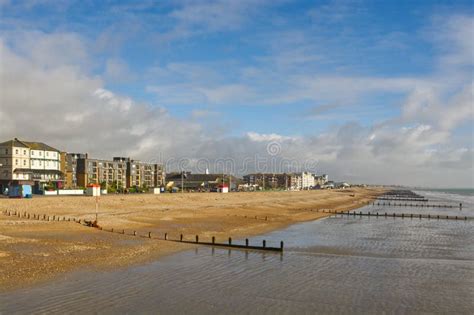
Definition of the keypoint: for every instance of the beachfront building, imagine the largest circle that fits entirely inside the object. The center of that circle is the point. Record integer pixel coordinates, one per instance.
(268, 180)
(32, 163)
(321, 180)
(69, 168)
(201, 182)
(307, 180)
(101, 172)
(287, 181)
(143, 175)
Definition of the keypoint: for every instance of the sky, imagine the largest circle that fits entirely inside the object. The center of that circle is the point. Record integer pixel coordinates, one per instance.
(377, 92)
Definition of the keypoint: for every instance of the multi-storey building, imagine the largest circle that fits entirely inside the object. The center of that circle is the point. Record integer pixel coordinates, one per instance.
(94, 171)
(33, 163)
(292, 181)
(268, 180)
(141, 174)
(69, 168)
(321, 180)
(307, 180)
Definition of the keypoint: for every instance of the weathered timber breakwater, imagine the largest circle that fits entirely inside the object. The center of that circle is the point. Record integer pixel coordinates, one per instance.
(150, 235)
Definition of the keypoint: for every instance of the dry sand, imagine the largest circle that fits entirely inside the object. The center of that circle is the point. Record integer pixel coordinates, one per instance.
(32, 251)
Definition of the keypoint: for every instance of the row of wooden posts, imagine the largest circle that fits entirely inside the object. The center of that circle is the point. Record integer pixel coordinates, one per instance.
(41, 217)
(403, 199)
(199, 241)
(213, 242)
(397, 215)
(421, 205)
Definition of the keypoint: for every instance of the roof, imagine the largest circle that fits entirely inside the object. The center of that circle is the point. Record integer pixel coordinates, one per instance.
(194, 177)
(40, 146)
(14, 143)
(28, 144)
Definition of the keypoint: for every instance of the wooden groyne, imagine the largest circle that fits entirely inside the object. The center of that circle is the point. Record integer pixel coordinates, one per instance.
(150, 235)
(415, 205)
(397, 215)
(403, 199)
(399, 193)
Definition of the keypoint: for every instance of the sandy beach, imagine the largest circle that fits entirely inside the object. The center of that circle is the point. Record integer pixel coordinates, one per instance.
(32, 251)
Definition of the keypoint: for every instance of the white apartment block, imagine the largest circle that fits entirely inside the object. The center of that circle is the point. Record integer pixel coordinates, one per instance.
(302, 181)
(14, 155)
(32, 162)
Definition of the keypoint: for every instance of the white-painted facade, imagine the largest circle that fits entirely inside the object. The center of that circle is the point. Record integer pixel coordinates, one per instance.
(28, 161)
(14, 157)
(45, 160)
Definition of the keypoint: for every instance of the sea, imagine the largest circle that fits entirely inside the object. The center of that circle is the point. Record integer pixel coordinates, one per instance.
(337, 265)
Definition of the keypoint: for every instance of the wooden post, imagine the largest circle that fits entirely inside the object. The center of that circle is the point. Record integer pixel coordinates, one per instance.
(181, 238)
(264, 243)
(213, 240)
(149, 234)
(123, 231)
(197, 238)
(281, 245)
(247, 242)
(134, 233)
(166, 236)
(111, 230)
(230, 240)
(96, 209)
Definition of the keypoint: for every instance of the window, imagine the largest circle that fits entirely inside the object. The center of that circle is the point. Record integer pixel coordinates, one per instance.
(24, 162)
(41, 153)
(24, 152)
(6, 151)
(40, 163)
(16, 151)
(32, 152)
(47, 153)
(16, 162)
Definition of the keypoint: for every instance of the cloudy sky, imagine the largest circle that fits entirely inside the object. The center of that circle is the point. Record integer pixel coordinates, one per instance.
(366, 91)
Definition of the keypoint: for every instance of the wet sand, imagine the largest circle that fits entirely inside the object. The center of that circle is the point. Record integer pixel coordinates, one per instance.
(34, 251)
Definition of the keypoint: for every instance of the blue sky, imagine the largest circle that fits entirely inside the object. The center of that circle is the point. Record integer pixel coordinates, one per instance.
(295, 71)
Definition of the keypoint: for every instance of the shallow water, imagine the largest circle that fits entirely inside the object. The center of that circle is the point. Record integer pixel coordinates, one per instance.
(336, 265)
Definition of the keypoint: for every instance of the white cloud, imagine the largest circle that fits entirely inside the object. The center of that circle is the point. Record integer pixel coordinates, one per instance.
(261, 137)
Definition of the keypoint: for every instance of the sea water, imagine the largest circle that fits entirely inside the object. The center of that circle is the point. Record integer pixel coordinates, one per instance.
(340, 264)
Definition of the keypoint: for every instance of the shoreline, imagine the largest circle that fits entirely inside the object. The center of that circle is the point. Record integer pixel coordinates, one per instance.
(32, 252)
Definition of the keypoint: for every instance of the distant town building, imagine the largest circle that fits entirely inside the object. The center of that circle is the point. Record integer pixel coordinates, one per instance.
(201, 182)
(268, 180)
(321, 180)
(32, 163)
(287, 181)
